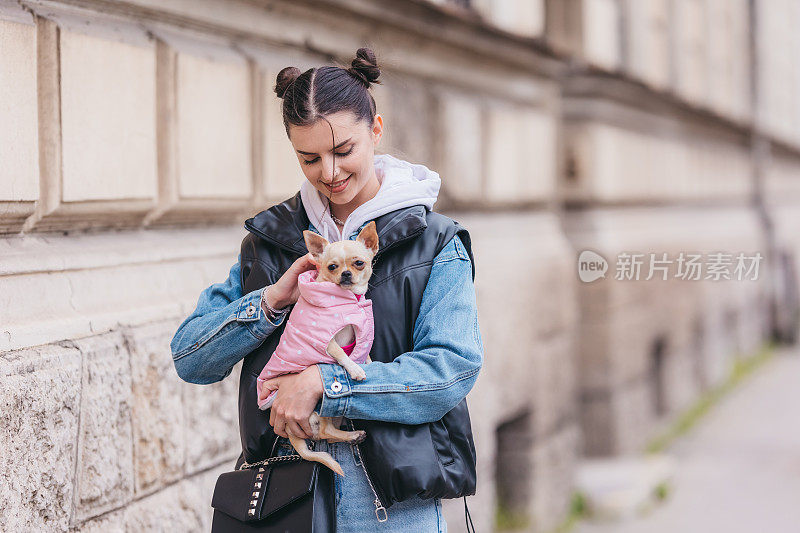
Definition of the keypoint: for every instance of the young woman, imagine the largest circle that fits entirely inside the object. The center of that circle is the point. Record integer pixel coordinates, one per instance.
(427, 350)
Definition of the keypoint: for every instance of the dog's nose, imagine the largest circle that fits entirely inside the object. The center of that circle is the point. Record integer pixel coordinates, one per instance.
(347, 274)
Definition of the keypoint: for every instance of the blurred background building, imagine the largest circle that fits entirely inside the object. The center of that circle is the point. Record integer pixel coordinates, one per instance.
(137, 135)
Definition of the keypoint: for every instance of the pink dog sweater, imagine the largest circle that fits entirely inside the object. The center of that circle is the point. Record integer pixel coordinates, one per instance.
(322, 309)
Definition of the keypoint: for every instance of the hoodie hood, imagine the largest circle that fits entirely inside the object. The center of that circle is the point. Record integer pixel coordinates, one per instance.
(403, 184)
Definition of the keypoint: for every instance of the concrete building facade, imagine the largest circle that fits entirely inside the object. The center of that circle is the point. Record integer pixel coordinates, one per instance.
(137, 136)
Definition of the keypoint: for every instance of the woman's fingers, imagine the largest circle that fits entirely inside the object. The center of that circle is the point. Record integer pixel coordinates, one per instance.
(296, 430)
(267, 387)
(302, 264)
(285, 290)
(307, 262)
(279, 427)
(303, 426)
(294, 402)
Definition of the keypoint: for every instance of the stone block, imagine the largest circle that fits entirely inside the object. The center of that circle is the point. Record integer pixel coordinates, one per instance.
(633, 407)
(680, 381)
(617, 420)
(19, 136)
(39, 411)
(108, 91)
(502, 148)
(520, 153)
(554, 462)
(648, 42)
(159, 448)
(601, 38)
(183, 506)
(690, 49)
(414, 112)
(214, 127)
(555, 390)
(105, 442)
(211, 423)
(522, 18)
(461, 146)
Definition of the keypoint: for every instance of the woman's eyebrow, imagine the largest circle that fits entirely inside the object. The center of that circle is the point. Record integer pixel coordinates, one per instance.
(335, 147)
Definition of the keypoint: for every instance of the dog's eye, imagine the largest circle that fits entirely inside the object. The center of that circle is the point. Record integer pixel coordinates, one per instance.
(332, 267)
(359, 263)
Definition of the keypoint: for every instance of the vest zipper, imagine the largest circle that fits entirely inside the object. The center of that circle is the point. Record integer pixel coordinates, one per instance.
(378, 504)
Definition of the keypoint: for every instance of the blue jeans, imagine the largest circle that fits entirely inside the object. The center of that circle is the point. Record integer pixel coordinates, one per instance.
(355, 510)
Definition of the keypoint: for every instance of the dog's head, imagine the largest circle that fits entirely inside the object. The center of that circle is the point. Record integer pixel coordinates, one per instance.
(346, 263)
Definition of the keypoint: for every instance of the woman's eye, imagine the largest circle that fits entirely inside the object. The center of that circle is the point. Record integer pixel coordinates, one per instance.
(331, 267)
(312, 161)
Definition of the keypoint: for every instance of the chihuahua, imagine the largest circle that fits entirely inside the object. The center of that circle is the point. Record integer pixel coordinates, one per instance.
(328, 320)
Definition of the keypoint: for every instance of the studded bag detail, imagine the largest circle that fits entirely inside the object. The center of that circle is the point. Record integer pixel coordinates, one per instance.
(278, 494)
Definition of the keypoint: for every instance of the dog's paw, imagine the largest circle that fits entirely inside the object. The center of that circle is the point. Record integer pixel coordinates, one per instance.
(358, 374)
(359, 437)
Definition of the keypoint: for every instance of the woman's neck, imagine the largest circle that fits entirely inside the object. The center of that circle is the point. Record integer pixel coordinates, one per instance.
(367, 193)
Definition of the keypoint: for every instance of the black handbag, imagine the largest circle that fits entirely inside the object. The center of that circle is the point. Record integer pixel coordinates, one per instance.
(277, 495)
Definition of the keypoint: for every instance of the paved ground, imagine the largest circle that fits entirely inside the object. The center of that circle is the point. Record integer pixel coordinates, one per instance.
(738, 470)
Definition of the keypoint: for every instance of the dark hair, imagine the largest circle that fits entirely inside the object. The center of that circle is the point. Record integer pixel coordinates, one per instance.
(326, 90)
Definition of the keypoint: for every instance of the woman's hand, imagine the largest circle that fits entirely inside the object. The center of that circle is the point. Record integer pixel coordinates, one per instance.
(294, 402)
(285, 291)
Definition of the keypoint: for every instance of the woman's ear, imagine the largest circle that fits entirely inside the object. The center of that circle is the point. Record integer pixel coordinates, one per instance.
(377, 129)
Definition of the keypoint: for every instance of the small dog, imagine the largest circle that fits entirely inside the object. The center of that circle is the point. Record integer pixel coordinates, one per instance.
(331, 322)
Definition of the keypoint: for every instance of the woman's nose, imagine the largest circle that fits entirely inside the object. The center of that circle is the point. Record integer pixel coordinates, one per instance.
(329, 172)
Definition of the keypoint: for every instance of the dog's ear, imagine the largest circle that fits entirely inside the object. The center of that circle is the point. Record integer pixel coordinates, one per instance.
(369, 237)
(315, 243)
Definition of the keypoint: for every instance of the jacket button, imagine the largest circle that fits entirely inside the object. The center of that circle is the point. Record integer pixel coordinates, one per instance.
(336, 386)
(250, 310)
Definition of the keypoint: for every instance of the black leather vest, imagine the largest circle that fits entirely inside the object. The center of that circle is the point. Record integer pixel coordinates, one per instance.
(434, 460)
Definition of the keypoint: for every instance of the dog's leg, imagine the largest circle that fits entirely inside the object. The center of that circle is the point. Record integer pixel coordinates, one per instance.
(325, 458)
(356, 372)
(328, 431)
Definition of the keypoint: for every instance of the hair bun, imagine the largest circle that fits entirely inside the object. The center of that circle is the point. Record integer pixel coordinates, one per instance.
(365, 67)
(285, 78)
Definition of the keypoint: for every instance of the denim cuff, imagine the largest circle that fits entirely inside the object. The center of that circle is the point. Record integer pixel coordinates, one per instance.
(251, 313)
(336, 389)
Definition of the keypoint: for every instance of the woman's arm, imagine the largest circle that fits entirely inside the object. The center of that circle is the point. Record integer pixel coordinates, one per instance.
(424, 384)
(224, 327)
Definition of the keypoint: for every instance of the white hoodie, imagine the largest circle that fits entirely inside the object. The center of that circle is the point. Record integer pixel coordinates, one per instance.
(403, 184)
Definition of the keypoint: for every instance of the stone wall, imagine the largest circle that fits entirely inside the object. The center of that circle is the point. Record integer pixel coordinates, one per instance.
(136, 136)
(141, 136)
(672, 145)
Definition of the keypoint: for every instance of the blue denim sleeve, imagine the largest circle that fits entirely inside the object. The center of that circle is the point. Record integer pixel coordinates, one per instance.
(224, 327)
(424, 384)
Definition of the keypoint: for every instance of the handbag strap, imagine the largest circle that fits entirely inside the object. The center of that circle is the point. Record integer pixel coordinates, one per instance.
(272, 460)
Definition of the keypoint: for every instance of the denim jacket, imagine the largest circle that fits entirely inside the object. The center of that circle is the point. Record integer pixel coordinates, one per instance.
(416, 387)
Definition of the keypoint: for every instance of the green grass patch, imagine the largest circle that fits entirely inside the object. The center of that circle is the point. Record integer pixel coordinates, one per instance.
(506, 519)
(661, 492)
(742, 367)
(577, 512)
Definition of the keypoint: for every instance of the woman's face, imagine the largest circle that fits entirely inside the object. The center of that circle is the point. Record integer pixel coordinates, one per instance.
(351, 172)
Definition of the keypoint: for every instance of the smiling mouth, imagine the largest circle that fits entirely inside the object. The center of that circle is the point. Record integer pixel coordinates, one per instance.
(338, 185)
